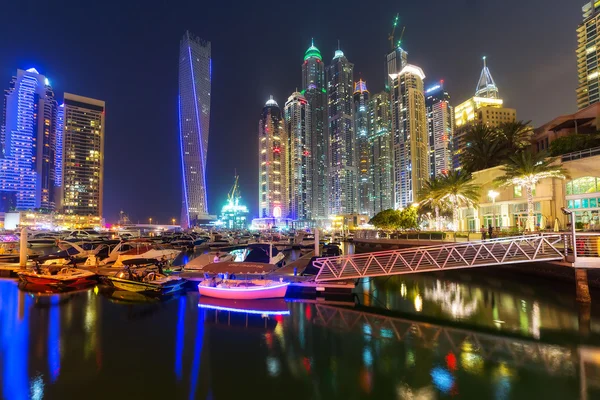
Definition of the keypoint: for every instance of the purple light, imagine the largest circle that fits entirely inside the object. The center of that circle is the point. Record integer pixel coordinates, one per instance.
(249, 289)
(243, 310)
(187, 215)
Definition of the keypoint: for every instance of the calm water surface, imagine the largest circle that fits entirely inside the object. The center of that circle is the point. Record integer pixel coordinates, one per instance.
(461, 335)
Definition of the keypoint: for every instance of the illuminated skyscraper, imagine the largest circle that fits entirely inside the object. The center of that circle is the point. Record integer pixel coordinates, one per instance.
(440, 121)
(28, 136)
(297, 120)
(194, 122)
(343, 194)
(382, 162)
(588, 55)
(396, 60)
(273, 197)
(485, 107)
(313, 89)
(409, 127)
(83, 155)
(363, 148)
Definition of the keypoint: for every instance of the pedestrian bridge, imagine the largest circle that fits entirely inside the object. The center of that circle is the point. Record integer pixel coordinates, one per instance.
(493, 252)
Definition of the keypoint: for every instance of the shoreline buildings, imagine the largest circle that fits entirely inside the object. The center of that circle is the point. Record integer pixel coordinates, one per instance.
(440, 121)
(52, 163)
(588, 54)
(342, 169)
(363, 148)
(194, 124)
(382, 161)
(315, 92)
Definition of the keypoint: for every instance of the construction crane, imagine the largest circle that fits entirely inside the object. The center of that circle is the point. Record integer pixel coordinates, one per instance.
(391, 37)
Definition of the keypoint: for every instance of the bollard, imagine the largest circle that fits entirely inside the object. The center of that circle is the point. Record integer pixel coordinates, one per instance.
(23, 248)
(581, 285)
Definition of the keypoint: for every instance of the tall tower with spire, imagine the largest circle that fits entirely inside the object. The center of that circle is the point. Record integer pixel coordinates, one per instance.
(272, 163)
(484, 107)
(342, 141)
(315, 92)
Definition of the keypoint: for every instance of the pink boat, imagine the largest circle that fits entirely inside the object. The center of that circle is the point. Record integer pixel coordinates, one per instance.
(243, 290)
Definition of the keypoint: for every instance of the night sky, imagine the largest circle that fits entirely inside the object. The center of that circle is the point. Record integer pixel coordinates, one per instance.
(126, 53)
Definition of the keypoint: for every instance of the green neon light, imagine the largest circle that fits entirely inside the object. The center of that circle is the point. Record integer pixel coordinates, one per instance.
(312, 52)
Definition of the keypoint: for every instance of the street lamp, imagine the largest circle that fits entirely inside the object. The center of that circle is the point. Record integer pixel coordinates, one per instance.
(493, 194)
(173, 221)
(150, 220)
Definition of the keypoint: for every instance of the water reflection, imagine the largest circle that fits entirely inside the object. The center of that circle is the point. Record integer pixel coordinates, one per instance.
(193, 348)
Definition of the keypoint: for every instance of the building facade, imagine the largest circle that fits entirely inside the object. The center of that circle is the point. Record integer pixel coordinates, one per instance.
(382, 161)
(83, 155)
(315, 91)
(273, 197)
(342, 140)
(297, 118)
(486, 107)
(440, 124)
(194, 123)
(363, 148)
(588, 51)
(409, 128)
(28, 138)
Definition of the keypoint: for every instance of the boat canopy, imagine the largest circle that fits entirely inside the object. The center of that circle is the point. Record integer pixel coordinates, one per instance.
(239, 268)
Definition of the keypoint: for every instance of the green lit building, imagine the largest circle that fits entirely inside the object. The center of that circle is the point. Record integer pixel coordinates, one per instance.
(234, 215)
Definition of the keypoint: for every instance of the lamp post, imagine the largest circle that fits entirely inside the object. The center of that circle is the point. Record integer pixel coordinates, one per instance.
(173, 221)
(493, 194)
(150, 220)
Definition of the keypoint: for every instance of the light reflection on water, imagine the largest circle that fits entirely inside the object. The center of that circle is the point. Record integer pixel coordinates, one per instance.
(121, 348)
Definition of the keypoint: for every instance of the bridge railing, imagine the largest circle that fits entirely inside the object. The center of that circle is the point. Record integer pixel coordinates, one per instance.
(442, 257)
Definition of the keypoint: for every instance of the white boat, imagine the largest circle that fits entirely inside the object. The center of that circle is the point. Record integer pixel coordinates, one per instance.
(158, 254)
(243, 289)
(198, 263)
(131, 247)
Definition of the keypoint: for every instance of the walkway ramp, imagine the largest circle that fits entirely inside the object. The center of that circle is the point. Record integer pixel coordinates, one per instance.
(494, 252)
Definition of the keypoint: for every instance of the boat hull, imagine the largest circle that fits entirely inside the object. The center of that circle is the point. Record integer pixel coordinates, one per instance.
(50, 281)
(146, 287)
(251, 293)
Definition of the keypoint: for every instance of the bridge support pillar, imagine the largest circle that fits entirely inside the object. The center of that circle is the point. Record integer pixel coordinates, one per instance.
(583, 291)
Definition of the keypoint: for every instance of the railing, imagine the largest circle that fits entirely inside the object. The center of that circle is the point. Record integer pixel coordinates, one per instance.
(576, 155)
(441, 257)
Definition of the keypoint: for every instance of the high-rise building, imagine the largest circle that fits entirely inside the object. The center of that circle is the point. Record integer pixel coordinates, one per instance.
(395, 61)
(28, 136)
(273, 188)
(409, 127)
(588, 55)
(363, 148)
(342, 141)
(297, 118)
(83, 155)
(440, 121)
(315, 92)
(380, 140)
(194, 123)
(485, 107)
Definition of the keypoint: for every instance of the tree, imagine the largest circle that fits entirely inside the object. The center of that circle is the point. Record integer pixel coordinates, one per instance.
(388, 220)
(526, 170)
(514, 136)
(409, 218)
(483, 148)
(454, 190)
(571, 143)
(430, 197)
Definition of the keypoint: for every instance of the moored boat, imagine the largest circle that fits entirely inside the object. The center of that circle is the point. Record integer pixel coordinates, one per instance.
(145, 279)
(62, 277)
(243, 289)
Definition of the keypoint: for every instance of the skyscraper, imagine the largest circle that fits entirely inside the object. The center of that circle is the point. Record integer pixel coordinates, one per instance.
(83, 155)
(363, 148)
(485, 107)
(313, 89)
(194, 122)
(409, 127)
(380, 140)
(342, 141)
(588, 54)
(440, 121)
(273, 197)
(28, 136)
(297, 120)
(395, 61)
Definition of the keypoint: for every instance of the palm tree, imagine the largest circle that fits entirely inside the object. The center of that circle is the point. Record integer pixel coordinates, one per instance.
(455, 190)
(526, 170)
(515, 135)
(430, 195)
(483, 148)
